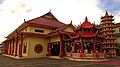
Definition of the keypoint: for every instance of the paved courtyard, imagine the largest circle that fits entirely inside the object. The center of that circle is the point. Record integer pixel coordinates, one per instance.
(48, 62)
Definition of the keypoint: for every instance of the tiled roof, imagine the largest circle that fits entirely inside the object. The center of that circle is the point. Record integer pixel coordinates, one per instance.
(48, 20)
(86, 24)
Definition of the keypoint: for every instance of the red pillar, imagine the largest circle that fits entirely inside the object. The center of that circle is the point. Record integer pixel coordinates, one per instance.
(12, 46)
(82, 45)
(16, 46)
(94, 45)
(6, 47)
(9, 47)
(61, 45)
(20, 47)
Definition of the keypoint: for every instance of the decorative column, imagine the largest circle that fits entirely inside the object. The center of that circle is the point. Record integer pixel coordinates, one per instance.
(20, 47)
(94, 45)
(12, 47)
(9, 47)
(48, 48)
(82, 45)
(61, 45)
(16, 46)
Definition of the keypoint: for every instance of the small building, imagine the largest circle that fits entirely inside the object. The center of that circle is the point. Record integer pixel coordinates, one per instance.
(88, 41)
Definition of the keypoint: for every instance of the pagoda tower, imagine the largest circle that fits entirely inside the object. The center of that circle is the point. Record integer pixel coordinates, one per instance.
(107, 30)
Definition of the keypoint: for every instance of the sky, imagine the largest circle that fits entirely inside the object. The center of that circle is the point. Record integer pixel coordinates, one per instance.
(13, 12)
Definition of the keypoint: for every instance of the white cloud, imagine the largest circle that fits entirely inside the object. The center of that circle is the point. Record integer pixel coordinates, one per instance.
(14, 12)
(116, 0)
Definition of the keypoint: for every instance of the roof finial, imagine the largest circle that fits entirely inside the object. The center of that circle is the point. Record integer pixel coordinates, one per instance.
(71, 22)
(86, 19)
(94, 22)
(24, 20)
(50, 10)
(80, 23)
(106, 13)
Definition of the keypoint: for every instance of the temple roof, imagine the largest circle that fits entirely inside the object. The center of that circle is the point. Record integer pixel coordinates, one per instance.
(47, 19)
(59, 30)
(107, 15)
(86, 24)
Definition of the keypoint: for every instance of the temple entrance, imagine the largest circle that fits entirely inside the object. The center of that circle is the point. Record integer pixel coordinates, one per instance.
(98, 47)
(55, 48)
(88, 47)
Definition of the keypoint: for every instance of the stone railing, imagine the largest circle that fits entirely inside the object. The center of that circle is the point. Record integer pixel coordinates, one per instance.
(86, 56)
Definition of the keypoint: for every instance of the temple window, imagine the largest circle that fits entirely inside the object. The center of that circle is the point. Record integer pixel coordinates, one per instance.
(25, 48)
(38, 30)
(38, 48)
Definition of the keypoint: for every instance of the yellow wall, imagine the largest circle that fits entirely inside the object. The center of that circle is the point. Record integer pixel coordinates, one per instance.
(26, 40)
(32, 29)
(54, 38)
(32, 42)
(68, 29)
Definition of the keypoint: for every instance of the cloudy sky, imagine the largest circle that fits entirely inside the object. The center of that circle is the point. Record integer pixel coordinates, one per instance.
(13, 12)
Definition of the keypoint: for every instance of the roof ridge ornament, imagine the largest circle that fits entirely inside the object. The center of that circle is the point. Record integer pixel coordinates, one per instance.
(71, 22)
(106, 14)
(24, 20)
(50, 10)
(86, 19)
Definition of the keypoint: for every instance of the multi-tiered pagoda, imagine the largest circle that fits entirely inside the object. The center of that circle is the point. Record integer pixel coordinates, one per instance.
(107, 31)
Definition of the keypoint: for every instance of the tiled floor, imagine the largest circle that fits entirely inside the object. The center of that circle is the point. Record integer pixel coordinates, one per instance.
(47, 62)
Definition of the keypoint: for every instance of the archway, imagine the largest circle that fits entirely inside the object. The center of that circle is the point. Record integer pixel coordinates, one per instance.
(88, 47)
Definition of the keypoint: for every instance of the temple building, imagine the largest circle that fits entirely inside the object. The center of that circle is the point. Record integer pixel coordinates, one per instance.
(107, 26)
(39, 37)
(87, 42)
(46, 36)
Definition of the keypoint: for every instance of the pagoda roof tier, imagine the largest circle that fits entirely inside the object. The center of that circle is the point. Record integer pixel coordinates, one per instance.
(110, 38)
(111, 16)
(109, 42)
(108, 26)
(107, 20)
(104, 23)
(107, 15)
(108, 30)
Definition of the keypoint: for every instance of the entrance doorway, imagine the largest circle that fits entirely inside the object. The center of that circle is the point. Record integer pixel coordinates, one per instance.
(55, 48)
(88, 47)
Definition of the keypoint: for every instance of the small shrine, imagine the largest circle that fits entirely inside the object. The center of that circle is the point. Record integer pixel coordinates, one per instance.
(87, 42)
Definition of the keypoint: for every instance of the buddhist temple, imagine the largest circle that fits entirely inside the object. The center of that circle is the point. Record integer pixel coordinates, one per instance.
(87, 42)
(107, 27)
(46, 36)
